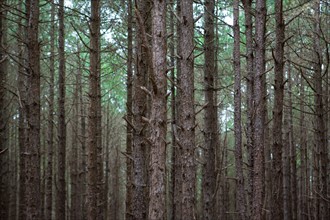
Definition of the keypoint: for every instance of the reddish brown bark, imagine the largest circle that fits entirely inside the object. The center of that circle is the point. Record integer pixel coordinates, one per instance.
(258, 120)
(186, 112)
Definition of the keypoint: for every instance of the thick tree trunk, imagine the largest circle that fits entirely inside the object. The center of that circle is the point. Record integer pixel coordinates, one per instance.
(258, 120)
(140, 107)
(277, 191)
(92, 162)
(186, 112)
(240, 194)
(31, 154)
(158, 120)
(61, 190)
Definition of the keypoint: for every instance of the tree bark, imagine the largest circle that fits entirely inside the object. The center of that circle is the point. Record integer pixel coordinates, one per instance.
(186, 112)
(158, 120)
(240, 194)
(50, 133)
(61, 168)
(258, 122)
(4, 156)
(249, 102)
(31, 154)
(278, 112)
(92, 132)
(129, 114)
(140, 107)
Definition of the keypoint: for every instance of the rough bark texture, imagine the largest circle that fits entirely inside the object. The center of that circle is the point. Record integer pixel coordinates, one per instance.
(92, 142)
(210, 116)
(61, 191)
(258, 122)
(240, 194)
(32, 150)
(139, 203)
(50, 132)
(177, 206)
(186, 112)
(250, 108)
(158, 120)
(278, 113)
(129, 116)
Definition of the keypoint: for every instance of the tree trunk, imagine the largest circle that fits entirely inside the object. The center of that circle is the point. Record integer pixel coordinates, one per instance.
(278, 113)
(50, 133)
(92, 133)
(129, 115)
(158, 120)
(32, 145)
(177, 171)
(186, 112)
(4, 155)
(140, 105)
(320, 147)
(61, 191)
(258, 122)
(240, 194)
(249, 102)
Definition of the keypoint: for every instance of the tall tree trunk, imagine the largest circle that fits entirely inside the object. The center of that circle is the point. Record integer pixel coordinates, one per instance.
(177, 171)
(293, 166)
(258, 122)
(61, 191)
(211, 117)
(320, 147)
(303, 155)
(278, 112)
(240, 194)
(140, 105)
(158, 120)
(129, 115)
(32, 150)
(4, 152)
(186, 112)
(50, 133)
(250, 109)
(22, 92)
(92, 150)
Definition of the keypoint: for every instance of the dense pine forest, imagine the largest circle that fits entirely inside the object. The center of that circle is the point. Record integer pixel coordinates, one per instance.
(164, 109)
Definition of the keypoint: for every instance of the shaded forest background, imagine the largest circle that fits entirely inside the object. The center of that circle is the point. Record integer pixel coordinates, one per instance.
(174, 109)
